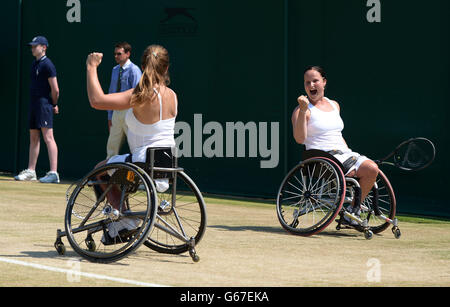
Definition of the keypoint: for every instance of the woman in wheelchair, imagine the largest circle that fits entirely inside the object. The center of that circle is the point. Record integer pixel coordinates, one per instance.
(318, 125)
(151, 116)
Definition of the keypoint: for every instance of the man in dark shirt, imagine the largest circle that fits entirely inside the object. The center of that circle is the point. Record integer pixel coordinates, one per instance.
(44, 93)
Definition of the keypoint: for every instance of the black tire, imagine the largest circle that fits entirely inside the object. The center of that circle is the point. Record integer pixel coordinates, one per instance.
(88, 218)
(187, 217)
(310, 196)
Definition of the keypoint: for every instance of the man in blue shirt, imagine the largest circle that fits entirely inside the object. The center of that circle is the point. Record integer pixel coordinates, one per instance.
(44, 94)
(125, 76)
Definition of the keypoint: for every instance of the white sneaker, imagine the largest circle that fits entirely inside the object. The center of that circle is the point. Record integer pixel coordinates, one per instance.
(26, 175)
(50, 177)
(114, 228)
(356, 212)
(162, 185)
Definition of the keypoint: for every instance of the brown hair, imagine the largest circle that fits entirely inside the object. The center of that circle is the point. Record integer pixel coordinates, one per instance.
(155, 64)
(319, 69)
(126, 47)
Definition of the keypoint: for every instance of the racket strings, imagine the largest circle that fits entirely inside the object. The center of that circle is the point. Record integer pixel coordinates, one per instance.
(414, 155)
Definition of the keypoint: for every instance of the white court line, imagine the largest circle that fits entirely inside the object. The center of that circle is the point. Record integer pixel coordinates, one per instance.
(78, 273)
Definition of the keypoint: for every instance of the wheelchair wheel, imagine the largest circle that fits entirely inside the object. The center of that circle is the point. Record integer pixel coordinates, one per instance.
(180, 220)
(379, 201)
(311, 196)
(102, 230)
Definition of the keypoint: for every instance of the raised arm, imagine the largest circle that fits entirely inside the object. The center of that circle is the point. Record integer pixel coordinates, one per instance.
(97, 98)
(300, 118)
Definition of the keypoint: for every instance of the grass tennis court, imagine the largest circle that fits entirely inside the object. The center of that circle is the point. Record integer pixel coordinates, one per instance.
(244, 245)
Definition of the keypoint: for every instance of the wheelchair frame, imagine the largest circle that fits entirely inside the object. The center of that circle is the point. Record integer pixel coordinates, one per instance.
(170, 171)
(351, 185)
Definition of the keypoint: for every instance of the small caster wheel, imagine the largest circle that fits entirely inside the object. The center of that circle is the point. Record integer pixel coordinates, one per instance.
(294, 224)
(60, 248)
(397, 233)
(368, 234)
(91, 245)
(194, 256)
(338, 227)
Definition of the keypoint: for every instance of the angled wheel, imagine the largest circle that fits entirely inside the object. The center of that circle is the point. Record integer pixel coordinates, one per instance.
(103, 228)
(181, 221)
(311, 196)
(379, 202)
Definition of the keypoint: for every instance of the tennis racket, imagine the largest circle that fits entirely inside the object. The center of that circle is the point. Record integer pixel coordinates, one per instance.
(412, 155)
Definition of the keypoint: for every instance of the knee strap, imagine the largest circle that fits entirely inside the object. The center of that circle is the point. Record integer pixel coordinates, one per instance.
(349, 163)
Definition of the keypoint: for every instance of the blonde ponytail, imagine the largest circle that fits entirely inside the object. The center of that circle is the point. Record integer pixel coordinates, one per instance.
(155, 64)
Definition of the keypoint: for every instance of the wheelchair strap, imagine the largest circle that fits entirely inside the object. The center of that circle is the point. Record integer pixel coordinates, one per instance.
(347, 164)
(335, 152)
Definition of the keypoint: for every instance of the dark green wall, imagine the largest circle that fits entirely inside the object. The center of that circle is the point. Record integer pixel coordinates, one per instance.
(390, 78)
(9, 16)
(243, 61)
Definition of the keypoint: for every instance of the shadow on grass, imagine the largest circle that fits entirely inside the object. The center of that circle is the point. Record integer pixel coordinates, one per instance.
(279, 230)
(140, 255)
(249, 228)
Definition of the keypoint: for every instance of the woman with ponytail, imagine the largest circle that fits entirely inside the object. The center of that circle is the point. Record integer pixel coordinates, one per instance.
(152, 104)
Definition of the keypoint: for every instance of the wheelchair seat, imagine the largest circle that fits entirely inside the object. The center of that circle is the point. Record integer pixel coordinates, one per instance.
(316, 153)
(158, 158)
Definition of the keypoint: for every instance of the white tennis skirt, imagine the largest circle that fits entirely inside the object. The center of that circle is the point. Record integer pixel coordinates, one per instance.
(360, 159)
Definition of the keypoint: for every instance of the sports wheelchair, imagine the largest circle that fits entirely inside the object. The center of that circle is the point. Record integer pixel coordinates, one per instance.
(172, 222)
(315, 192)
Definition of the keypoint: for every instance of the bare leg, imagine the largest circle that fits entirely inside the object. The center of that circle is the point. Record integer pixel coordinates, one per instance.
(52, 148)
(35, 142)
(113, 196)
(367, 174)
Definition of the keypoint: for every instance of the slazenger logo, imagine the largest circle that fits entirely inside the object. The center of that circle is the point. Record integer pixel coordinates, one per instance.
(178, 22)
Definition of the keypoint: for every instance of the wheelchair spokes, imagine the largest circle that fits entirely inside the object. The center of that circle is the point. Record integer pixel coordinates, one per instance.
(309, 197)
(181, 218)
(116, 208)
(314, 191)
(103, 228)
(379, 207)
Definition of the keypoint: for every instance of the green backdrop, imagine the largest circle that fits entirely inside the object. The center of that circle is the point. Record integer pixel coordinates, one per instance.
(242, 61)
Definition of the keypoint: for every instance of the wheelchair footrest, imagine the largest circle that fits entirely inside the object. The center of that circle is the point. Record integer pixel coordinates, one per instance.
(351, 222)
(124, 236)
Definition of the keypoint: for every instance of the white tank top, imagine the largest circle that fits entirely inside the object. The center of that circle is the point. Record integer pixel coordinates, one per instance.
(324, 130)
(141, 136)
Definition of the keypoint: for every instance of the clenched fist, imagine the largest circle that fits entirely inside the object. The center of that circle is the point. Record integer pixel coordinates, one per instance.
(303, 102)
(94, 59)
